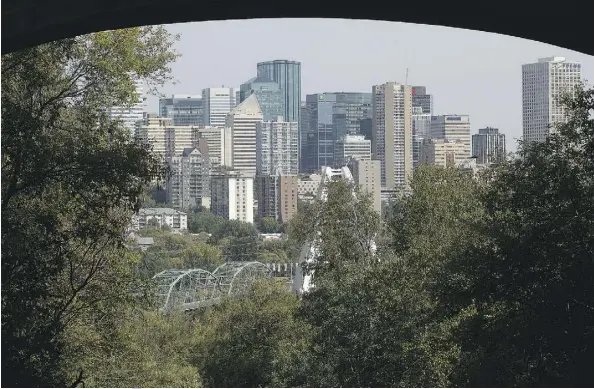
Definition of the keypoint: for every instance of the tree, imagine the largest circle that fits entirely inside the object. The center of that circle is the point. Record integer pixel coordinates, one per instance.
(532, 282)
(71, 178)
(269, 225)
(252, 341)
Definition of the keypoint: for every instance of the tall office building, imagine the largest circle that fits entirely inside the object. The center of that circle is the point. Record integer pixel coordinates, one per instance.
(130, 115)
(217, 103)
(331, 117)
(367, 175)
(351, 147)
(287, 74)
(214, 137)
(452, 127)
(242, 122)
(189, 183)
(185, 110)
(232, 196)
(392, 133)
(269, 95)
(277, 196)
(443, 152)
(303, 125)
(277, 147)
(488, 146)
(422, 100)
(167, 140)
(543, 83)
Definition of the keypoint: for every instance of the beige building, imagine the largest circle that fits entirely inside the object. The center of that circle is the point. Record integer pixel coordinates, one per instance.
(277, 197)
(214, 137)
(452, 127)
(167, 140)
(442, 152)
(367, 175)
(392, 133)
(232, 196)
(307, 186)
(351, 146)
(242, 121)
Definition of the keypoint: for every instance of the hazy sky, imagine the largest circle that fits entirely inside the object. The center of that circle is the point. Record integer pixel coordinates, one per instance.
(468, 72)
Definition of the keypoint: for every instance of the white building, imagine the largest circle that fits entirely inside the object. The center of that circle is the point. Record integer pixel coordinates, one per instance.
(277, 147)
(130, 115)
(351, 147)
(217, 103)
(543, 83)
(392, 133)
(176, 220)
(232, 196)
(452, 127)
(189, 182)
(242, 121)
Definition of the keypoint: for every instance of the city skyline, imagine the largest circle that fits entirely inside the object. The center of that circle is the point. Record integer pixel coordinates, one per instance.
(487, 86)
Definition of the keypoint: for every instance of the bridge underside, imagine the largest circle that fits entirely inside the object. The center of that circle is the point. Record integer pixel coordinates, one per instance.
(27, 23)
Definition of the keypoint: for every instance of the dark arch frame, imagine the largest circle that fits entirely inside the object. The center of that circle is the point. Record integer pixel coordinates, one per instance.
(27, 23)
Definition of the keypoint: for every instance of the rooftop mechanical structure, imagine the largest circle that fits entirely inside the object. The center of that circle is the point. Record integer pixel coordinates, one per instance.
(303, 281)
(197, 288)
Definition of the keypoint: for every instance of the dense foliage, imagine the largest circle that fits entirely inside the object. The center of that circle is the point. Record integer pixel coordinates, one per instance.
(477, 281)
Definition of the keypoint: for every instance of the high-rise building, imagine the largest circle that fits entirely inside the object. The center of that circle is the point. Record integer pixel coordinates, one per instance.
(330, 117)
(167, 140)
(351, 147)
(242, 122)
(189, 181)
(367, 175)
(422, 100)
(287, 74)
(269, 95)
(214, 137)
(303, 125)
(392, 133)
(277, 147)
(443, 152)
(488, 146)
(185, 110)
(232, 196)
(452, 127)
(421, 131)
(543, 83)
(277, 196)
(217, 103)
(365, 127)
(130, 115)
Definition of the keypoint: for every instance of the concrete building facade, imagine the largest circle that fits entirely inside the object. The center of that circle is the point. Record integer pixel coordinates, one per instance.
(176, 220)
(443, 152)
(367, 175)
(232, 196)
(185, 110)
(277, 196)
(543, 84)
(392, 133)
(277, 147)
(242, 122)
(189, 182)
(217, 103)
(351, 147)
(452, 127)
(488, 146)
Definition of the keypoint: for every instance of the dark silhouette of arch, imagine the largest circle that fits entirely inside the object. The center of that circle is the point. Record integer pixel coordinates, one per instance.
(30, 22)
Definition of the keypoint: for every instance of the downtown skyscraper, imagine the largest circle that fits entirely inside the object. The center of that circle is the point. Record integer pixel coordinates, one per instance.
(185, 110)
(287, 74)
(133, 114)
(488, 146)
(269, 95)
(217, 103)
(330, 117)
(543, 84)
(392, 133)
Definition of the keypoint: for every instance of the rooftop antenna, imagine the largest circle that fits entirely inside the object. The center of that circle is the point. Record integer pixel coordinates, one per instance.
(406, 78)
